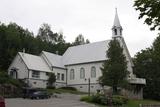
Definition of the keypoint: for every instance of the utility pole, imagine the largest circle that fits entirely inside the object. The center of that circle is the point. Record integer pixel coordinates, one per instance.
(89, 83)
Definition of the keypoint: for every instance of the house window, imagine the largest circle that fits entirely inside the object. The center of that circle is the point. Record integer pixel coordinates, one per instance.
(62, 77)
(47, 73)
(72, 74)
(93, 72)
(82, 73)
(58, 76)
(35, 74)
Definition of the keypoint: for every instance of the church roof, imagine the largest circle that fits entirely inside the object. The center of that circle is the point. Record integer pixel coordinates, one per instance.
(54, 59)
(34, 62)
(92, 52)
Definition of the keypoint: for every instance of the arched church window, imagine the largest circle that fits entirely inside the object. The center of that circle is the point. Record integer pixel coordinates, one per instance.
(72, 74)
(82, 73)
(93, 72)
(115, 31)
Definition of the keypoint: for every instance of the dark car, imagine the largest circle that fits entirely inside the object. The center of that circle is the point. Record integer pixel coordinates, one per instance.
(35, 93)
(39, 95)
(2, 102)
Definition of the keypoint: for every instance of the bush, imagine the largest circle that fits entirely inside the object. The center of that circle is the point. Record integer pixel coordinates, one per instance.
(102, 100)
(119, 100)
(98, 98)
(69, 88)
(86, 98)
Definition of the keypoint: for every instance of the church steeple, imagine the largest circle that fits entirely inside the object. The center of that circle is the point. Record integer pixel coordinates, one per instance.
(117, 28)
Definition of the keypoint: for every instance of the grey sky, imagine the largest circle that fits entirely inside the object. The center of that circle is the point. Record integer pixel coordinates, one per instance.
(92, 18)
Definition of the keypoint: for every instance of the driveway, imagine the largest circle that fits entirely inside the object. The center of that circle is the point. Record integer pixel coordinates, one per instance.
(63, 100)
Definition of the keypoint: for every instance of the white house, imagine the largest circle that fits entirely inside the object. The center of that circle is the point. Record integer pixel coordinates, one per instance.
(75, 68)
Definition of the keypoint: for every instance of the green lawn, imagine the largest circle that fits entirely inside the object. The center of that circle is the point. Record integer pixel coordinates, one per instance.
(59, 91)
(135, 103)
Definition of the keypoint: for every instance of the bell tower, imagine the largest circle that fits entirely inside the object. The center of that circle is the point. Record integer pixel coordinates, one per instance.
(116, 28)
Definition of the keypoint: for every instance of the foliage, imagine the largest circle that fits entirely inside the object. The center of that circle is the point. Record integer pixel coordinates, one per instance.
(114, 70)
(79, 40)
(86, 98)
(6, 79)
(51, 79)
(147, 66)
(14, 38)
(45, 33)
(136, 103)
(149, 9)
(102, 100)
(119, 100)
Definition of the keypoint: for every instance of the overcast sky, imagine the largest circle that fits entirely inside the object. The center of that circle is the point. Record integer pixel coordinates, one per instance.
(91, 18)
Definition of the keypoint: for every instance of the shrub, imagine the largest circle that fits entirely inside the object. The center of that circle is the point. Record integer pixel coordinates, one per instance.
(102, 100)
(69, 88)
(119, 100)
(98, 98)
(86, 98)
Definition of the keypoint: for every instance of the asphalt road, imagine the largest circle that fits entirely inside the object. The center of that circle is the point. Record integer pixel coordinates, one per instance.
(63, 100)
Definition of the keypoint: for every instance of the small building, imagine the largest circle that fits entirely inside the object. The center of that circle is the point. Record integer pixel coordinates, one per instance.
(74, 68)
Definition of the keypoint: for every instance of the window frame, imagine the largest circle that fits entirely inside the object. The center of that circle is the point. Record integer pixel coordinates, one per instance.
(34, 75)
(82, 73)
(72, 74)
(93, 72)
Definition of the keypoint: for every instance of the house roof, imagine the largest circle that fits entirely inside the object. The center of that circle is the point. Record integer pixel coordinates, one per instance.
(54, 59)
(34, 62)
(86, 53)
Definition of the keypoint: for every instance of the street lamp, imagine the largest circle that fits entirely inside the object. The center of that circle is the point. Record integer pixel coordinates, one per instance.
(89, 83)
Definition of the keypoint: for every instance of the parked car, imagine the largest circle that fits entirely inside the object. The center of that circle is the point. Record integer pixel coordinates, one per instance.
(35, 93)
(39, 95)
(2, 102)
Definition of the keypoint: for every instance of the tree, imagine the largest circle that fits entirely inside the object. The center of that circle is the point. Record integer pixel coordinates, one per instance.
(45, 33)
(147, 66)
(51, 79)
(114, 69)
(79, 40)
(149, 9)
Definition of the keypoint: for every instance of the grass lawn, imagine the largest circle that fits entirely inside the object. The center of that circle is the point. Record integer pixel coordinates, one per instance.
(59, 91)
(135, 103)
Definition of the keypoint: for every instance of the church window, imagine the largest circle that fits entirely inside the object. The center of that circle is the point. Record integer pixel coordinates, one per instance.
(82, 73)
(72, 74)
(35, 74)
(93, 72)
(58, 76)
(62, 77)
(115, 31)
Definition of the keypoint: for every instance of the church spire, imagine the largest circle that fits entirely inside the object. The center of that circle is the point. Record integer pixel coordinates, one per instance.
(117, 28)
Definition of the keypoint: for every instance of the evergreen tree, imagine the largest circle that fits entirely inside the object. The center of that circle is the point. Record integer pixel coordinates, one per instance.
(114, 69)
(51, 79)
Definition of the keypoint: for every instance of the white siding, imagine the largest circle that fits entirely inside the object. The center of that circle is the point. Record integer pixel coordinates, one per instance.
(60, 83)
(82, 84)
(22, 68)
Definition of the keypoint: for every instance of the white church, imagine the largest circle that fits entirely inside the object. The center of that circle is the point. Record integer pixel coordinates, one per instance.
(74, 68)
